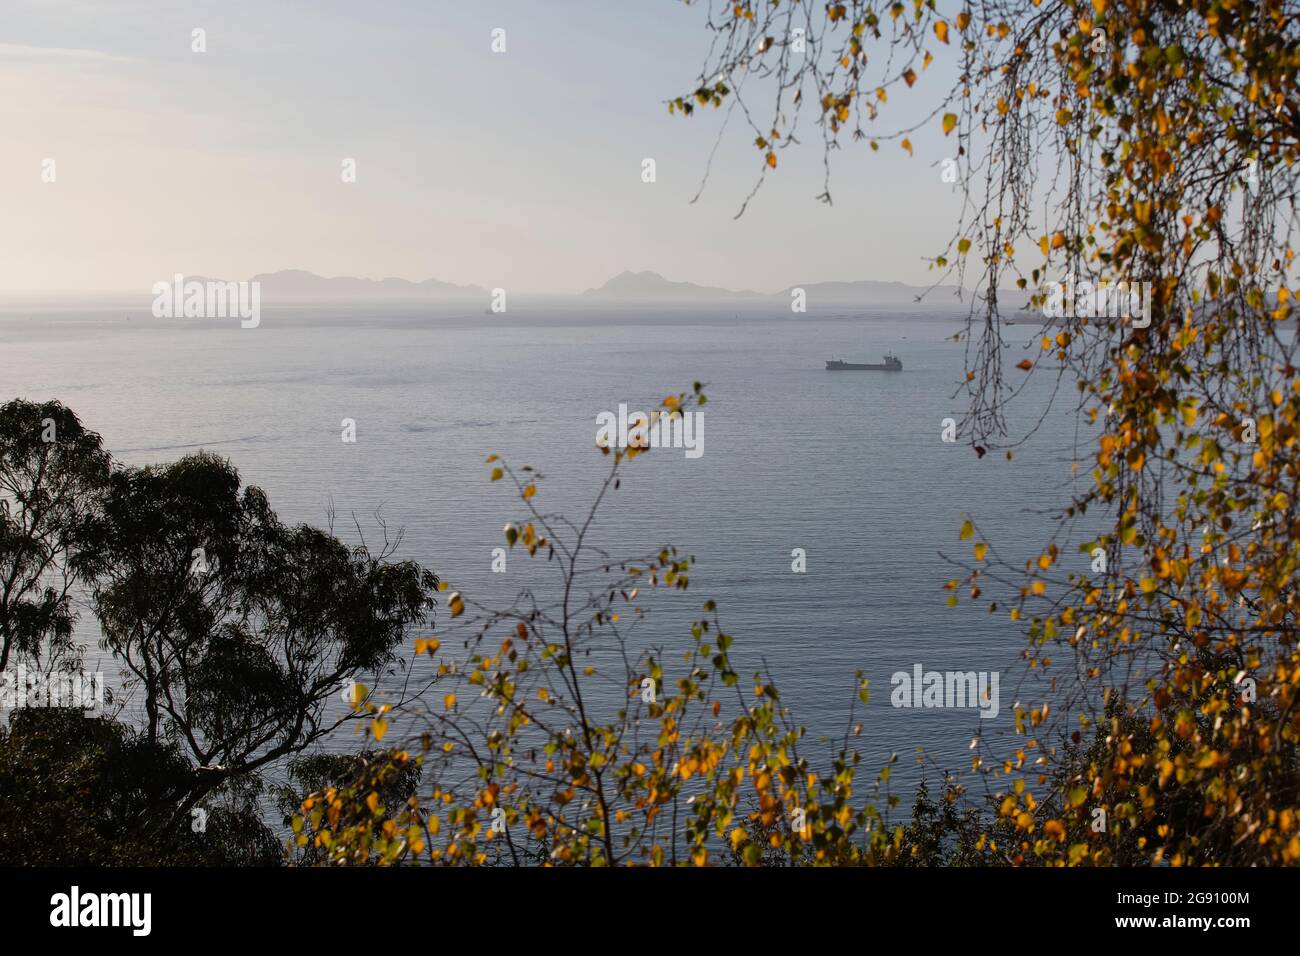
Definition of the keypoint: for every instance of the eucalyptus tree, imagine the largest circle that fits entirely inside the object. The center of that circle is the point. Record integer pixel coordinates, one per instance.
(244, 637)
(54, 474)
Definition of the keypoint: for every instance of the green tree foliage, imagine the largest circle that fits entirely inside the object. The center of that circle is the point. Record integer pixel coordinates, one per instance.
(90, 791)
(238, 634)
(53, 476)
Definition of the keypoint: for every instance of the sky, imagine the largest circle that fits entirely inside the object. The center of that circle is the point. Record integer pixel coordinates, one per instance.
(519, 170)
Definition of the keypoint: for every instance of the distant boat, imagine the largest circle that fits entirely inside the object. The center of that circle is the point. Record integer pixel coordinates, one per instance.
(891, 364)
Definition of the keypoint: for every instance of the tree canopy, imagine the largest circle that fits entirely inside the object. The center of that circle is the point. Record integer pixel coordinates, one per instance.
(236, 635)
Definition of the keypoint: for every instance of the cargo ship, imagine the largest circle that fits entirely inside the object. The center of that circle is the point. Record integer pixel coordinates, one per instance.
(891, 364)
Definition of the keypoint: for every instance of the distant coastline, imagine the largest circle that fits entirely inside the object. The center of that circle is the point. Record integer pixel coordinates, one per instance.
(301, 287)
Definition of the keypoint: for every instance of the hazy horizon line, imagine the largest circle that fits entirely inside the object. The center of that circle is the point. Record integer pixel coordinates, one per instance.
(468, 290)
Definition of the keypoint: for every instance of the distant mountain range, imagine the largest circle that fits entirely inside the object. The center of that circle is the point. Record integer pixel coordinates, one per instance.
(297, 285)
(651, 285)
(300, 286)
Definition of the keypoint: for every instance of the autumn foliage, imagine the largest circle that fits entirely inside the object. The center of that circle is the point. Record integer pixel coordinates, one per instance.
(1141, 141)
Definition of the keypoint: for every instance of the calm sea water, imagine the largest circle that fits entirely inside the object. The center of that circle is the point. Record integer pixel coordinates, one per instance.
(849, 467)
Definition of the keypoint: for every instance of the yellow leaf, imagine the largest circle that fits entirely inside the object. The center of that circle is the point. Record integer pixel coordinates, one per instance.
(456, 603)
(1025, 364)
(496, 474)
(949, 122)
(359, 692)
(941, 31)
(449, 701)
(907, 145)
(980, 550)
(379, 727)
(771, 159)
(967, 529)
(529, 491)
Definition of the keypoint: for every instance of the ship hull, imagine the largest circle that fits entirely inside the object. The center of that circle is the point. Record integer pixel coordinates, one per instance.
(856, 367)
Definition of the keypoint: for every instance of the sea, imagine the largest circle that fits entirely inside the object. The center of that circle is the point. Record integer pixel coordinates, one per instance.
(844, 472)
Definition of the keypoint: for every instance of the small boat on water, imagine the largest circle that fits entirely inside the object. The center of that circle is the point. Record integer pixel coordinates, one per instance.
(891, 364)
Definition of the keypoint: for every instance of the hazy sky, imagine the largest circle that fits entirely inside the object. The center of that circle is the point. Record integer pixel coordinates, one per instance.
(520, 170)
